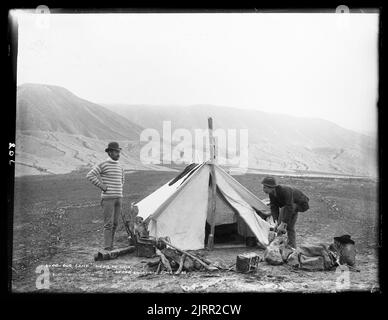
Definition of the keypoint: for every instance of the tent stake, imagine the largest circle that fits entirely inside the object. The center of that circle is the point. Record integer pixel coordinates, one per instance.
(210, 243)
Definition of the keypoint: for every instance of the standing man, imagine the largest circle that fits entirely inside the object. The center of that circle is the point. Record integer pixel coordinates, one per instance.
(109, 177)
(290, 201)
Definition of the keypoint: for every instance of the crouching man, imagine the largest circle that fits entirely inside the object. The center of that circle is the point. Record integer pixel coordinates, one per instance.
(109, 177)
(290, 201)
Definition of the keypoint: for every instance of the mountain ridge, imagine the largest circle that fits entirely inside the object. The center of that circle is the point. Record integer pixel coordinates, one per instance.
(58, 132)
(53, 108)
(66, 129)
(117, 106)
(278, 142)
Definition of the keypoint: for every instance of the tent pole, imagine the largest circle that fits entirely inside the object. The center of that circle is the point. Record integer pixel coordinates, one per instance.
(212, 208)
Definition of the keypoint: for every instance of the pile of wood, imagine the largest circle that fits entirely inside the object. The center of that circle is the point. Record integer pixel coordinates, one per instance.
(175, 260)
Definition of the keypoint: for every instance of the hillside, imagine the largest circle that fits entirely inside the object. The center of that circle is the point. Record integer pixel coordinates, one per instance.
(58, 132)
(276, 142)
(55, 109)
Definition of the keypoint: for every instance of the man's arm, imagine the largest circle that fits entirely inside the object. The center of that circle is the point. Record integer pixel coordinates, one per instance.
(288, 209)
(94, 177)
(274, 208)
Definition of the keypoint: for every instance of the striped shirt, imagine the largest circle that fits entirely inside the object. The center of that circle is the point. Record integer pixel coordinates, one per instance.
(109, 173)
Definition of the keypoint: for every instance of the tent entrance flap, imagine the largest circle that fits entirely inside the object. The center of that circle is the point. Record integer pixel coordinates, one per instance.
(225, 234)
(255, 224)
(230, 228)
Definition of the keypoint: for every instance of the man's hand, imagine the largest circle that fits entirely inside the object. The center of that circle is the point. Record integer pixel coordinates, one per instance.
(104, 188)
(277, 224)
(282, 228)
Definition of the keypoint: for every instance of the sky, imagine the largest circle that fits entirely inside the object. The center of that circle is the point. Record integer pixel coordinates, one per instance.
(317, 65)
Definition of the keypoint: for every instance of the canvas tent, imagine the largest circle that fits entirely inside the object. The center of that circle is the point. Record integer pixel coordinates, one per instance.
(179, 209)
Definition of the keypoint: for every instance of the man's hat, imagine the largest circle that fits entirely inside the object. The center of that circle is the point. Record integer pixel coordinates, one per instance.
(269, 182)
(112, 146)
(344, 239)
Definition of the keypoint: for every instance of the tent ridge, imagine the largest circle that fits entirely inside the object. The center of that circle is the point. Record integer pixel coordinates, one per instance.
(174, 195)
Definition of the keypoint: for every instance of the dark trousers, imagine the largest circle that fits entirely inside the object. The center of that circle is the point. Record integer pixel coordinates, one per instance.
(111, 211)
(291, 221)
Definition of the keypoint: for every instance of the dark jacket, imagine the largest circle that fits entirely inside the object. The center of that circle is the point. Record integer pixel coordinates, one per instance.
(293, 200)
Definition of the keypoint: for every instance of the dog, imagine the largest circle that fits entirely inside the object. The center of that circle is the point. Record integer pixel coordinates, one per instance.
(140, 228)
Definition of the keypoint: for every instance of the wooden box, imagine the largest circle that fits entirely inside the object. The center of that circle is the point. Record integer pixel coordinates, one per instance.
(247, 261)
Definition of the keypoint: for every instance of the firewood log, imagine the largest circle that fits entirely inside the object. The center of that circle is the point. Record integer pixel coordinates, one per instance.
(207, 267)
(188, 263)
(164, 260)
(181, 264)
(159, 267)
(108, 255)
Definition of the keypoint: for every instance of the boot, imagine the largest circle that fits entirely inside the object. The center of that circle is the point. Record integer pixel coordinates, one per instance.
(108, 245)
(113, 237)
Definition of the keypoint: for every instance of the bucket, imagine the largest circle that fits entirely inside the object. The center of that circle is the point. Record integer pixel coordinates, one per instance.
(145, 247)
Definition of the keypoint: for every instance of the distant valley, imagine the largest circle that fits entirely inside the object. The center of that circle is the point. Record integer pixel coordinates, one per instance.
(58, 132)
(276, 142)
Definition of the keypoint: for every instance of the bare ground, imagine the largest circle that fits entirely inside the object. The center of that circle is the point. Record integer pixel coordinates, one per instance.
(58, 223)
